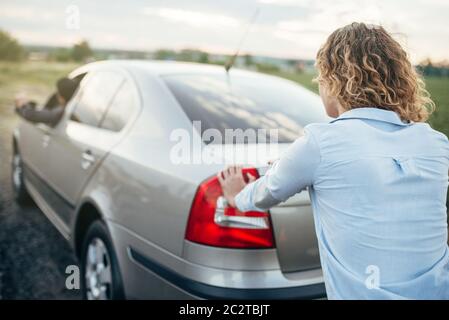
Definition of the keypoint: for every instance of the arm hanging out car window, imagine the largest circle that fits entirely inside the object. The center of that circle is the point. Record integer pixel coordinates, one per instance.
(50, 114)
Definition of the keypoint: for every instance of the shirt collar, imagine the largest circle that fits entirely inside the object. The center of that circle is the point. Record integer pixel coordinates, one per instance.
(372, 114)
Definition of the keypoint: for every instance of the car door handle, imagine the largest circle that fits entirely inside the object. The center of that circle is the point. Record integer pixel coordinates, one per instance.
(87, 158)
(45, 140)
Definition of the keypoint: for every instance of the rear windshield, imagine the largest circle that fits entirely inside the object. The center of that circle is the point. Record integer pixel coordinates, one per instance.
(246, 102)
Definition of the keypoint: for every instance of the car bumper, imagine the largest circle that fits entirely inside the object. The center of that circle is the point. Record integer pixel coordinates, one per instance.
(149, 272)
(200, 290)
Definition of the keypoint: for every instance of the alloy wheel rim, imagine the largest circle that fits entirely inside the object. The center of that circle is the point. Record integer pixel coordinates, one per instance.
(98, 274)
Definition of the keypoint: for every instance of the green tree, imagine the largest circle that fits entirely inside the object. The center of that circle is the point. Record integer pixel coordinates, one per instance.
(164, 54)
(81, 51)
(248, 60)
(61, 55)
(204, 57)
(10, 49)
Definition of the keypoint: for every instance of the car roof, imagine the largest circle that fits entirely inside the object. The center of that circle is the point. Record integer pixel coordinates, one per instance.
(163, 68)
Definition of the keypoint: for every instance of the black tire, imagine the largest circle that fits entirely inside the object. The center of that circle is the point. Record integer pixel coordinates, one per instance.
(21, 195)
(115, 291)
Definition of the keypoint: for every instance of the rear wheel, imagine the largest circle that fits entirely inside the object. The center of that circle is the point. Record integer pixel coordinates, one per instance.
(100, 270)
(21, 194)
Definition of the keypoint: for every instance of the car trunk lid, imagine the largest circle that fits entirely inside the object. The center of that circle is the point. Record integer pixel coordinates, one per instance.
(292, 220)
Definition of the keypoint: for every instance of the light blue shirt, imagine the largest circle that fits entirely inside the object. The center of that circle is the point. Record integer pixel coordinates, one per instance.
(378, 192)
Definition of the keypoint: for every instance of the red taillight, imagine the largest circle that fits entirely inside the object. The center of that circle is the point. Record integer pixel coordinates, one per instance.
(213, 224)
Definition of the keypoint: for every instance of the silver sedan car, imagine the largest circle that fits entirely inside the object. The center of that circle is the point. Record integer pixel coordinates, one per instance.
(147, 224)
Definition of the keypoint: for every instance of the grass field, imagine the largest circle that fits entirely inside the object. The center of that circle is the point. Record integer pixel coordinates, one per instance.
(438, 88)
(37, 79)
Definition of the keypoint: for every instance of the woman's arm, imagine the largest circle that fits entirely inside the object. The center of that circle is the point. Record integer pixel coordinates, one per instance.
(288, 176)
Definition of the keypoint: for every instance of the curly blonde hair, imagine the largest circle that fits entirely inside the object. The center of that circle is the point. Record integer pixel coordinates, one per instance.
(363, 66)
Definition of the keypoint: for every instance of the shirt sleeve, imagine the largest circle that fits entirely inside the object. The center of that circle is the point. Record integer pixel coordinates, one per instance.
(291, 174)
(48, 116)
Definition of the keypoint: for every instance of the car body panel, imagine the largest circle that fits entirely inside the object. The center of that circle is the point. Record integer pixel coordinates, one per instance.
(33, 144)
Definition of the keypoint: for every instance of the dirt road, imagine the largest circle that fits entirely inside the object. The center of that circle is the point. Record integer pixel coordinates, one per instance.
(33, 255)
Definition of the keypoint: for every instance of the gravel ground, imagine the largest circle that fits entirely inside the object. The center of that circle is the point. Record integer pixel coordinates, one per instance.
(33, 255)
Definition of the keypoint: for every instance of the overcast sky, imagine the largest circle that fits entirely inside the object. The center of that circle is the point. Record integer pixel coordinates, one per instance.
(284, 28)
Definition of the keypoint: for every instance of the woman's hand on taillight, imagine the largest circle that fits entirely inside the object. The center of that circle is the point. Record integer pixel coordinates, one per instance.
(232, 182)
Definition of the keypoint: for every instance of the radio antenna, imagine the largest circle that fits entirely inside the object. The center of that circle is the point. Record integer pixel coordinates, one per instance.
(232, 59)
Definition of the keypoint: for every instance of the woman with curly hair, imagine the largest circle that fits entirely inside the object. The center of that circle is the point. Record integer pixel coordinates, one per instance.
(377, 174)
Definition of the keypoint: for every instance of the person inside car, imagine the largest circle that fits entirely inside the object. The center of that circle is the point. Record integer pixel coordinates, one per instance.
(53, 110)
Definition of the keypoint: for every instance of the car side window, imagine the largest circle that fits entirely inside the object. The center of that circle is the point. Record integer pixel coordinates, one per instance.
(121, 108)
(96, 95)
(52, 101)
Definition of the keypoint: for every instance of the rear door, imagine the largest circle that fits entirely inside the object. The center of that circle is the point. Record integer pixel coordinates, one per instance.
(34, 141)
(33, 145)
(80, 145)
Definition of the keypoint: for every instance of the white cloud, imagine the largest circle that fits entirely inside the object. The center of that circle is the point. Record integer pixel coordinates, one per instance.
(193, 18)
(55, 38)
(443, 3)
(291, 28)
(326, 16)
(286, 3)
(20, 12)
(307, 33)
